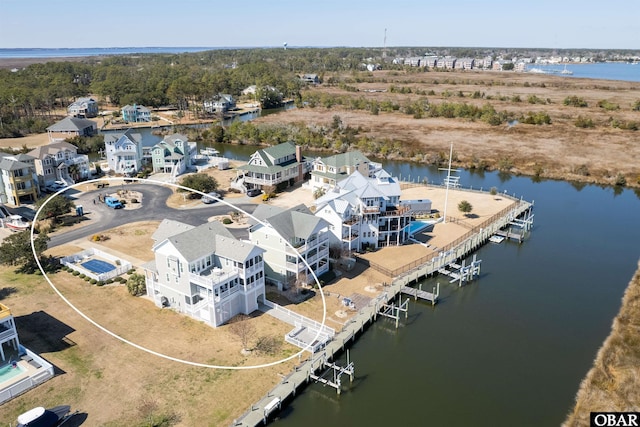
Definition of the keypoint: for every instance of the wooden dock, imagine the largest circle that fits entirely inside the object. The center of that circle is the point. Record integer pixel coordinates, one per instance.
(260, 411)
(418, 293)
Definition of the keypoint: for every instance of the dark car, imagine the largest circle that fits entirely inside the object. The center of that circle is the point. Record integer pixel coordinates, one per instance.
(253, 192)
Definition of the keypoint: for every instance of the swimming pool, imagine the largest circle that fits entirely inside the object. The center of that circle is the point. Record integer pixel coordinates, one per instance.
(416, 226)
(98, 266)
(8, 372)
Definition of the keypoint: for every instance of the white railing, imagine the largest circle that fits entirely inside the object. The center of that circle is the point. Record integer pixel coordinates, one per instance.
(73, 262)
(212, 280)
(42, 374)
(304, 321)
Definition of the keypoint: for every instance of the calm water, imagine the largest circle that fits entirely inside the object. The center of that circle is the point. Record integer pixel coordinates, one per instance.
(93, 51)
(604, 70)
(508, 349)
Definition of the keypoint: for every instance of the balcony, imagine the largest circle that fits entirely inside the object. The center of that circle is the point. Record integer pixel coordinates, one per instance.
(351, 220)
(212, 277)
(396, 211)
(349, 237)
(370, 209)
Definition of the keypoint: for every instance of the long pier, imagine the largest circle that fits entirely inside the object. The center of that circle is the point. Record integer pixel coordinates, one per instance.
(260, 411)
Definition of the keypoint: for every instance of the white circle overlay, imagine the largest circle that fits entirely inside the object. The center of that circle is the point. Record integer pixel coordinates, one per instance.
(147, 350)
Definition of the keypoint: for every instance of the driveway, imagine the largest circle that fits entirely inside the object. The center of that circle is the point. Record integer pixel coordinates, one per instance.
(153, 207)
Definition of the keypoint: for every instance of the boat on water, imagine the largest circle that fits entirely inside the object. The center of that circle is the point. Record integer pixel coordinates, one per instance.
(41, 417)
(566, 72)
(496, 239)
(209, 151)
(16, 223)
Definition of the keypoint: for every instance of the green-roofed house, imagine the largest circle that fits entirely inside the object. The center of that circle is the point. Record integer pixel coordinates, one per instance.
(205, 272)
(274, 165)
(174, 154)
(288, 237)
(326, 172)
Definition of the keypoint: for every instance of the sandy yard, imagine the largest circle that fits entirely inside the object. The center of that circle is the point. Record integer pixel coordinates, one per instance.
(94, 359)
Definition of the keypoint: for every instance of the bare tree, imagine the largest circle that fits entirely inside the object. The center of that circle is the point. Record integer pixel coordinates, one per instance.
(243, 329)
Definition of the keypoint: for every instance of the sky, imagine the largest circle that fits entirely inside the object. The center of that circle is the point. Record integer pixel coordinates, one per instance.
(559, 24)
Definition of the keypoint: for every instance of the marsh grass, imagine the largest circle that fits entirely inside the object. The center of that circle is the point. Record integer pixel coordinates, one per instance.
(613, 383)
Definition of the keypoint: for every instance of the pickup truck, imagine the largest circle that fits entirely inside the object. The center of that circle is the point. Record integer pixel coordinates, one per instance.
(112, 202)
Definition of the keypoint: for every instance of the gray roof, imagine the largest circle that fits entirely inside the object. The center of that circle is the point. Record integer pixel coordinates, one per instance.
(72, 124)
(9, 164)
(297, 222)
(168, 228)
(51, 149)
(114, 137)
(208, 238)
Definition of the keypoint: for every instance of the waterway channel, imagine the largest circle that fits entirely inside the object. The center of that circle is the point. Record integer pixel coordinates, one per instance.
(511, 348)
(508, 349)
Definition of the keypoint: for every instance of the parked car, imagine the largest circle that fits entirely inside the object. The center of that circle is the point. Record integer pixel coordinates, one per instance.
(253, 192)
(114, 203)
(211, 197)
(56, 186)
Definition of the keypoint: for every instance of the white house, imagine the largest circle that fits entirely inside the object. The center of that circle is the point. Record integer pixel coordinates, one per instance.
(290, 236)
(220, 103)
(365, 212)
(205, 272)
(83, 108)
(124, 152)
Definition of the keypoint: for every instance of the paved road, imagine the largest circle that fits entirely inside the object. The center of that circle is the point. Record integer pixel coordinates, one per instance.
(154, 208)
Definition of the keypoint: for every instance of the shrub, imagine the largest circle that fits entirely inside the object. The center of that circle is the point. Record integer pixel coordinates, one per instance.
(82, 276)
(584, 122)
(100, 283)
(109, 281)
(493, 191)
(136, 285)
(93, 281)
(575, 101)
(227, 221)
(134, 200)
(76, 273)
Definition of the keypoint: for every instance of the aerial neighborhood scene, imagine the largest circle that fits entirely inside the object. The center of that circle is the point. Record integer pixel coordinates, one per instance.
(360, 226)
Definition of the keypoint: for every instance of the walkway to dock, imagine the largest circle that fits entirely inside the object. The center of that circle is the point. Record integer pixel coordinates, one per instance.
(259, 412)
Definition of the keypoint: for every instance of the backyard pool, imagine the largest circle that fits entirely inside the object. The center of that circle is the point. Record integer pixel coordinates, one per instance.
(98, 266)
(8, 372)
(416, 226)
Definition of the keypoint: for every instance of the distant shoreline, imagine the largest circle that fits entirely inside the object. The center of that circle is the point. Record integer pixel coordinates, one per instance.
(10, 63)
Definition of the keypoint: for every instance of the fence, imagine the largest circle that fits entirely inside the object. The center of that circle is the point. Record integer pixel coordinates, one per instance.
(74, 262)
(475, 237)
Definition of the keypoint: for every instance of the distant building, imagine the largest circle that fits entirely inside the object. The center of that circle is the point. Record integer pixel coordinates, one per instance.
(124, 152)
(220, 103)
(174, 154)
(18, 179)
(70, 127)
(310, 78)
(204, 272)
(83, 108)
(59, 161)
(135, 114)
